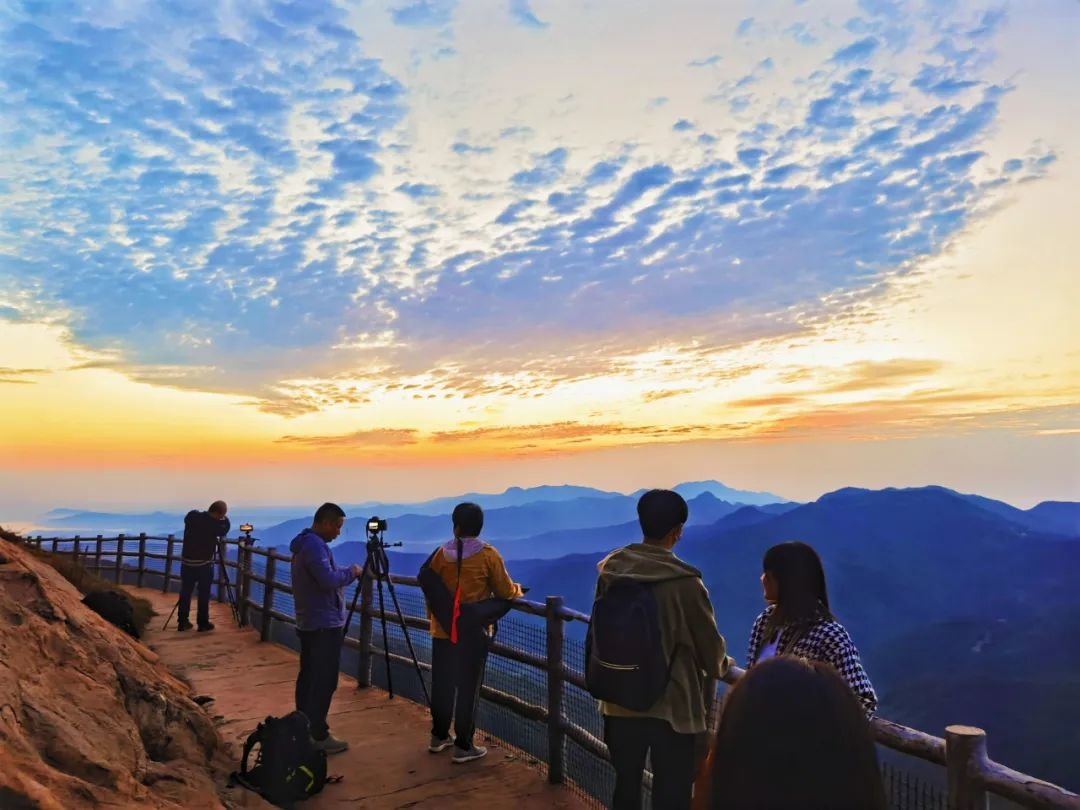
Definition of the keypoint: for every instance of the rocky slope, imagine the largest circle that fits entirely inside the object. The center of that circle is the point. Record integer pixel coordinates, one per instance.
(88, 716)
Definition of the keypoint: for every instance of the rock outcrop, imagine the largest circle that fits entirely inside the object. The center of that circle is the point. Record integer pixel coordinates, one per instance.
(88, 716)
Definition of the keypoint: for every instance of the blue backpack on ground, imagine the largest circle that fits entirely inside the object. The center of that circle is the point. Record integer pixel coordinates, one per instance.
(624, 655)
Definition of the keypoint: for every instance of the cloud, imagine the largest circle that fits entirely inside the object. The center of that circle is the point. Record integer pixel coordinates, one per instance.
(801, 34)
(867, 375)
(706, 61)
(20, 376)
(602, 172)
(518, 131)
(546, 170)
(856, 51)
(941, 82)
(751, 158)
(990, 21)
(469, 149)
(379, 437)
(220, 200)
(418, 191)
(423, 13)
(521, 11)
(511, 213)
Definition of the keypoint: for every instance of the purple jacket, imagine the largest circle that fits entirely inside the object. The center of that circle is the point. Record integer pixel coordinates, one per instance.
(318, 584)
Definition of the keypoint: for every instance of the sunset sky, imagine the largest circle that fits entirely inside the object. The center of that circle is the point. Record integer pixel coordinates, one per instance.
(291, 252)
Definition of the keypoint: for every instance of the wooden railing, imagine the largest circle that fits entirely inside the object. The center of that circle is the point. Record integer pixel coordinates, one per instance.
(971, 776)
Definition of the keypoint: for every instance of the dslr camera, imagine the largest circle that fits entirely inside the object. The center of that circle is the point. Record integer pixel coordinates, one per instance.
(375, 525)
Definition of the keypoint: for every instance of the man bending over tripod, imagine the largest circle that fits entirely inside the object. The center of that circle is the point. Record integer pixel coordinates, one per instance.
(197, 557)
(318, 593)
(468, 563)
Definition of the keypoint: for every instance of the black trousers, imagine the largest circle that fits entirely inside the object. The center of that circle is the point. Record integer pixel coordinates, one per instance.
(320, 659)
(673, 757)
(192, 576)
(457, 670)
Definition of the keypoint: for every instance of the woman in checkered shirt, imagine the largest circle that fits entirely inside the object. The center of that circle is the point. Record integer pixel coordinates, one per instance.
(798, 621)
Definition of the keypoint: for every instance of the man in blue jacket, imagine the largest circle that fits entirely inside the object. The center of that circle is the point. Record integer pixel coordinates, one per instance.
(201, 533)
(318, 593)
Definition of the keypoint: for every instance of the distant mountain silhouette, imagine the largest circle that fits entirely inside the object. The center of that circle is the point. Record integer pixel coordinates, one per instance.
(1060, 517)
(536, 529)
(692, 489)
(901, 564)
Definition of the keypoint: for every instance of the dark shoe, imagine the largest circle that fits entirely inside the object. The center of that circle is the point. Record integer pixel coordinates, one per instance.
(469, 754)
(331, 744)
(205, 628)
(182, 626)
(436, 745)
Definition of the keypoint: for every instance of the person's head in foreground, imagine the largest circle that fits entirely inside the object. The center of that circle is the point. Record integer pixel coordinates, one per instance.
(792, 736)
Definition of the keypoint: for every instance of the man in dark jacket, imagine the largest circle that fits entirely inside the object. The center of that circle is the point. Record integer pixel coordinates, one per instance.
(201, 533)
(318, 594)
(675, 724)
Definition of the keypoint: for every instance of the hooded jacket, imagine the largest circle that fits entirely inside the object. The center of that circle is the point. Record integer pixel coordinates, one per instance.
(483, 575)
(687, 630)
(318, 584)
(201, 531)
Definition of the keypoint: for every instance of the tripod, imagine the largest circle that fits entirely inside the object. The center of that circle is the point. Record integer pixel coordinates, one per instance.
(217, 559)
(377, 565)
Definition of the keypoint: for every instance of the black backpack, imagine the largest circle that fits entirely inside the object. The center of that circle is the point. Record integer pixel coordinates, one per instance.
(474, 617)
(287, 767)
(115, 608)
(624, 654)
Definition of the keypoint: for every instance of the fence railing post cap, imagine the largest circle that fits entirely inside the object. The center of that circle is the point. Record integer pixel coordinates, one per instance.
(964, 731)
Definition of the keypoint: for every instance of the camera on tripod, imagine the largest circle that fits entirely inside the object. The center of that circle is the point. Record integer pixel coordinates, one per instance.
(376, 568)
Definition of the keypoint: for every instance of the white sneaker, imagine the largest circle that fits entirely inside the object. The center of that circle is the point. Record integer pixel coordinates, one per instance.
(436, 745)
(469, 754)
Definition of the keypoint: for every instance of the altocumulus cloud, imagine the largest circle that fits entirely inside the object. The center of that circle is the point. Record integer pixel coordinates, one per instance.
(240, 207)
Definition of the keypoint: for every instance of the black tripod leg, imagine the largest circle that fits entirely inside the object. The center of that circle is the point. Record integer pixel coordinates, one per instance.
(174, 607)
(385, 639)
(352, 607)
(408, 641)
(229, 593)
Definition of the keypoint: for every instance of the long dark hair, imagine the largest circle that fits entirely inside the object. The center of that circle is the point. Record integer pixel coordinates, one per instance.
(792, 736)
(802, 596)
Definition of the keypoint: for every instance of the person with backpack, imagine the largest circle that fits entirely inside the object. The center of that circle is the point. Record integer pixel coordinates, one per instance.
(318, 593)
(798, 620)
(651, 650)
(202, 531)
(473, 572)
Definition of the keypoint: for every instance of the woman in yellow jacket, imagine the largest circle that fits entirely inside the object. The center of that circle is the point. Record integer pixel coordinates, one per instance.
(457, 666)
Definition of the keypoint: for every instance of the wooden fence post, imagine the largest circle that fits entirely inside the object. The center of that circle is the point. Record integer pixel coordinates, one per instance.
(97, 555)
(363, 668)
(555, 669)
(142, 558)
(54, 543)
(119, 557)
(243, 578)
(75, 550)
(268, 598)
(965, 752)
(170, 543)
